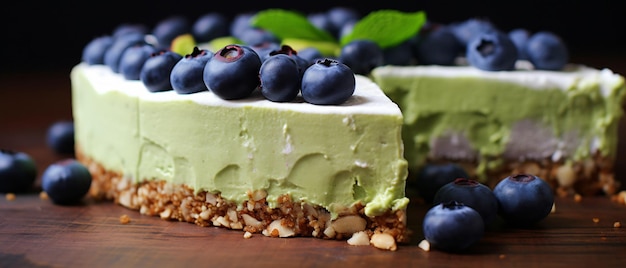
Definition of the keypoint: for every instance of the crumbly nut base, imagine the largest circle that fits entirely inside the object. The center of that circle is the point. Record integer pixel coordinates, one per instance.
(289, 219)
(588, 177)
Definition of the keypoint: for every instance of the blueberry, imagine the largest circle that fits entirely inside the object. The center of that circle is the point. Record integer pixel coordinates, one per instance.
(452, 226)
(310, 54)
(113, 55)
(400, 55)
(433, 176)
(546, 51)
(302, 63)
(438, 47)
(93, 52)
(523, 199)
(321, 21)
(361, 56)
(471, 193)
(240, 23)
(17, 171)
(233, 72)
(467, 30)
(520, 36)
(186, 75)
(210, 26)
(169, 28)
(155, 73)
(340, 16)
(66, 181)
(60, 137)
(130, 28)
(280, 78)
(255, 37)
(132, 60)
(264, 49)
(327, 82)
(492, 51)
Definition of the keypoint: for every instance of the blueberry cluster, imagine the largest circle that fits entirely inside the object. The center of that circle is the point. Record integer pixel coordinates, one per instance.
(257, 61)
(488, 48)
(463, 208)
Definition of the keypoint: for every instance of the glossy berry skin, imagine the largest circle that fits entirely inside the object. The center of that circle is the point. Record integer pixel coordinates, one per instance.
(17, 172)
(471, 193)
(431, 177)
(520, 37)
(467, 30)
(280, 78)
(523, 199)
(361, 56)
(452, 226)
(186, 75)
(327, 82)
(209, 26)
(130, 28)
(340, 16)
(302, 63)
(113, 55)
(310, 54)
(546, 51)
(233, 72)
(155, 72)
(240, 23)
(133, 59)
(60, 137)
(169, 28)
(264, 49)
(438, 47)
(66, 181)
(493, 51)
(93, 52)
(256, 37)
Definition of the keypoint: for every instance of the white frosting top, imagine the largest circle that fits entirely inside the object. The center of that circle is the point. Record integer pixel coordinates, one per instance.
(368, 98)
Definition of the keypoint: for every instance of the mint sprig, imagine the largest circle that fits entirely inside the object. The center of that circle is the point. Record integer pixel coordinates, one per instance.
(286, 24)
(387, 28)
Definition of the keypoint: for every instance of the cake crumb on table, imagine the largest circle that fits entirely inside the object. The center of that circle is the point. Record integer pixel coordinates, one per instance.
(595, 220)
(43, 195)
(617, 224)
(10, 196)
(247, 235)
(424, 245)
(578, 198)
(502, 256)
(124, 219)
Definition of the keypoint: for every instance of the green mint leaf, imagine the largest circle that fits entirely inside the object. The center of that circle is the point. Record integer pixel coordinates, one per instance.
(387, 28)
(289, 24)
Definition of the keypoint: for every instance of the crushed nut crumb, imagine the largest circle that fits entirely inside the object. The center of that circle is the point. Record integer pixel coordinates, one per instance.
(595, 220)
(124, 219)
(43, 195)
(617, 224)
(247, 235)
(578, 198)
(424, 245)
(502, 256)
(10, 196)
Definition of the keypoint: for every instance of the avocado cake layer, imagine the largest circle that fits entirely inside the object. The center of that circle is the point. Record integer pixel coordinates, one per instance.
(561, 125)
(340, 160)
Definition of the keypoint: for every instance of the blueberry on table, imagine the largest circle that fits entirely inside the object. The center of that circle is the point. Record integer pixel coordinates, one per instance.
(66, 181)
(471, 193)
(546, 51)
(60, 137)
(361, 56)
(432, 176)
(280, 78)
(233, 72)
(186, 75)
(328, 82)
(452, 226)
(523, 199)
(17, 171)
(492, 51)
(155, 72)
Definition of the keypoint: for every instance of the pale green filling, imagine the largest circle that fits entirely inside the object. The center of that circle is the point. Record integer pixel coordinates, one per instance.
(331, 160)
(485, 109)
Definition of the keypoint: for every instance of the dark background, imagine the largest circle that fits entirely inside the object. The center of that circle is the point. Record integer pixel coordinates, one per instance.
(43, 36)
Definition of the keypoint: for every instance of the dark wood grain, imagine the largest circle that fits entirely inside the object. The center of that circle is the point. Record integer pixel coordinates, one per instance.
(37, 233)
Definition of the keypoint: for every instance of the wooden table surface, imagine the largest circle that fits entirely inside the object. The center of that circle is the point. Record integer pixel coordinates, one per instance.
(37, 233)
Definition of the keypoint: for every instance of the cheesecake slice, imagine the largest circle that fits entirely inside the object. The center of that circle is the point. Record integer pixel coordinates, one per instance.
(280, 169)
(559, 125)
